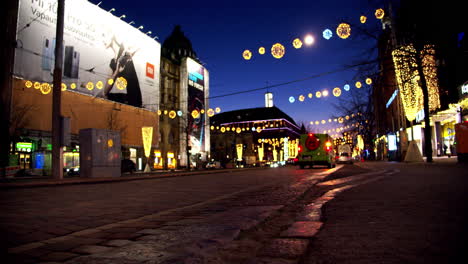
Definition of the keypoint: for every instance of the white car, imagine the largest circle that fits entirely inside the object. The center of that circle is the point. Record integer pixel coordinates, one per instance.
(344, 157)
(213, 165)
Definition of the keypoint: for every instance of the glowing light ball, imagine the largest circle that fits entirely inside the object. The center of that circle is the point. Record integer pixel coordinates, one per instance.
(261, 50)
(73, 86)
(121, 83)
(159, 112)
(247, 54)
(363, 19)
(347, 117)
(223, 129)
(195, 113)
(99, 85)
(327, 34)
(37, 85)
(165, 112)
(210, 112)
(340, 120)
(369, 81)
(311, 122)
(358, 84)
(329, 120)
(346, 87)
(309, 40)
(259, 130)
(318, 94)
(317, 122)
(212, 127)
(46, 88)
(291, 99)
(301, 98)
(217, 109)
(28, 84)
(110, 81)
(277, 50)
(297, 43)
(325, 93)
(228, 129)
(202, 111)
(324, 122)
(90, 86)
(172, 114)
(310, 95)
(336, 91)
(64, 87)
(379, 13)
(179, 113)
(238, 130)
(343, 30)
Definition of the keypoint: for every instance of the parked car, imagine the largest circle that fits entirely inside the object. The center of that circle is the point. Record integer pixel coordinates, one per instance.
(344, 157)
(213, 165)
(128, 165)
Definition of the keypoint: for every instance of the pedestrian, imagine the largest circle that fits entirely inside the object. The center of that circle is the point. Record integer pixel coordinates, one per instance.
(445, 149)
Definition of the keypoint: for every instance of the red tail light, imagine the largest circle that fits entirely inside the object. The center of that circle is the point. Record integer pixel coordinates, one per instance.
(299, 148)
(328, 146)
(296, 159)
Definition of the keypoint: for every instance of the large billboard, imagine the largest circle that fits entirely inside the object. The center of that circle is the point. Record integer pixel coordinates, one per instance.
(103, 55)
(196, 101)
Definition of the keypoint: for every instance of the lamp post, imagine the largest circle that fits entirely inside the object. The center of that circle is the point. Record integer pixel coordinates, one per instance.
(57, 151)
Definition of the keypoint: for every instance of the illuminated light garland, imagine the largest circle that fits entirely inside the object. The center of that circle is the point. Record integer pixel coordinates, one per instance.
(368, 81)
(310, 95)
(212, 127)
(28, 84)
(99, 85)
(259, 130)
(277, 50)
(217, 109)
(238, 130)
(121, 83)
(325, 93)
(223, 129)
(73, 86)
(324, 122)
(329, 120)
(363, 19)
(247, 54)
(46, 88)
(408, 80)
(318, 94)
(309, 40)
(336, 91)
(159, 112)
(297, 43)
(261, 50)
(343, 30)
(379, 13)
(317, 122)
(228, 129)
(358, 84)
(37, 85)
(347, 117)
(430, 72)
(340, 120)
(202, 111)
(327, 34)
(346, 87)
(172, 114)
(110, 81)
(311, 122)
(165, 112)
(64, 87)
(291, 99)
(179, 113)
(301, 98)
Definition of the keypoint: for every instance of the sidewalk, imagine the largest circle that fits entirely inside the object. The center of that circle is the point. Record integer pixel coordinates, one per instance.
(22, 182)
(418, 215)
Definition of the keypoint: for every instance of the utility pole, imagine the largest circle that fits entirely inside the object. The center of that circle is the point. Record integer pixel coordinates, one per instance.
(57, 151)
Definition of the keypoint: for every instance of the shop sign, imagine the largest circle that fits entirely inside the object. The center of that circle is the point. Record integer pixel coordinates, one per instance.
(24, 146)
(420, 116)
(463, 90)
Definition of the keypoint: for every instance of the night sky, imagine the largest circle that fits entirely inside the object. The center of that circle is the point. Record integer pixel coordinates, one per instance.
(221, 30)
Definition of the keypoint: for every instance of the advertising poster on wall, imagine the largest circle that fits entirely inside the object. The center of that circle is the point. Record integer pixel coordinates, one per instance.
(103, 55)
(196, 101)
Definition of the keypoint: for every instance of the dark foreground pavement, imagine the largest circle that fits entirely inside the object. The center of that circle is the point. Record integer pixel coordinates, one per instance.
(419, 215)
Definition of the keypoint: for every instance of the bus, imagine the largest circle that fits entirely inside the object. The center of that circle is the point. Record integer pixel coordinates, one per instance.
(315, 149)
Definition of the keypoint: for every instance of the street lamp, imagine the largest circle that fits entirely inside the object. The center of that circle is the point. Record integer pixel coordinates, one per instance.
(122, 16)
(140, 27)
(149, 32)
(111, 10)
(131, 22)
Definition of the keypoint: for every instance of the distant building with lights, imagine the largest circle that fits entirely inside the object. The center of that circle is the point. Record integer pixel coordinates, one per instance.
(254, 136)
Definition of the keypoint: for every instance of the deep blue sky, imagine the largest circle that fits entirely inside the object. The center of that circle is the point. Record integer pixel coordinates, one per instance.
(221, 30)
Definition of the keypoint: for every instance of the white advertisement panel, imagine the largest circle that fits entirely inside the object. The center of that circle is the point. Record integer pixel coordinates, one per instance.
(103, 55)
